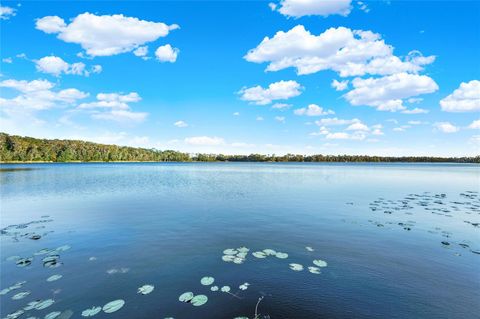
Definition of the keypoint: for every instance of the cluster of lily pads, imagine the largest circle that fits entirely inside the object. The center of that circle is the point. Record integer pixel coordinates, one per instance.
(312, 269)
(27, 230)
(235, 255)
(269, 252)
(436, 204)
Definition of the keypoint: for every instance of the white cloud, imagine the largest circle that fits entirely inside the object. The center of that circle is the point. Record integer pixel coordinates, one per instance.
(105, 35)
(340, 85)
(416, 110)
(236, 113)
(7, 60)
(180, 124)
(56, 66)
(387, 93)
(280, 119)
(359, 136)
(446, 127)
(166, 53)
(259, 118)
(38, 95)
(281, 106)
(345, 51)
(6, 12)
(114, 107)
(464, 99)
(335, 121)
(300, 8)
(475, 125)
(141, 51)
(204, 141)
(281, 90)
(358, 126)
(313, 110)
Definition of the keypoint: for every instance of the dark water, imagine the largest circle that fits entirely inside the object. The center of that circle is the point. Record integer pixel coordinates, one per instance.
(168, 224)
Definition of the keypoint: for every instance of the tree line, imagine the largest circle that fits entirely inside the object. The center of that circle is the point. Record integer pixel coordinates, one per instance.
(27, 149)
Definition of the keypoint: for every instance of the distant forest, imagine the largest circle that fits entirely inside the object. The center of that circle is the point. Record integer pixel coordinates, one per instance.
(27, 149)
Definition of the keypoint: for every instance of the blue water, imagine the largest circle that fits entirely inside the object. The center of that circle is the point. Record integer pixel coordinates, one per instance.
(168, 224)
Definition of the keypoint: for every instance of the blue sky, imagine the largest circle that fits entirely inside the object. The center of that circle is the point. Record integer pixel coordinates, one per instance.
(243, 77)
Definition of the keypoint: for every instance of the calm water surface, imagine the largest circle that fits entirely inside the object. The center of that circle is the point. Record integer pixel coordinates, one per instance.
(168, 224)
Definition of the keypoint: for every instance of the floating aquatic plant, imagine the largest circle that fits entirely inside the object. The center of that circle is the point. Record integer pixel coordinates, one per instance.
(42, 304)
(309, 248)
(63, 248)
(186, 296)
(24, 262)
(281, 255)
(91, 311)
(320, 263)
(53, 315)
(207, 281)
(259, 254)
(269, 252)
(214, 288)
(314, 270)
(20, 295)
(244, 286)
(228, 258)
(54, 278)
(230, 251)
(296, 267)
(199, 300)
(145, 289)
(113, 306)
(225, 289)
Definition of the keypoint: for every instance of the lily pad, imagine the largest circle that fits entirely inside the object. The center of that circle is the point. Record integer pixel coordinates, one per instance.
(199, 300)
(113, 306)
(24, 262)
(91, 311)
(259, 254)
(214, 288)
(320, 263)
(230, 251)
(269, 252)
(314, 270)
(43, 304)
(54, 278)
(20, 295)
(186, 296)
(296, 267)
(243, 249)
(63, 248)
(207, 281)
(228, 258)
(281, 255)
(145, 289)
(225, 289)
(244, 286)
(309, 248)
(238, 260)
(53, 315)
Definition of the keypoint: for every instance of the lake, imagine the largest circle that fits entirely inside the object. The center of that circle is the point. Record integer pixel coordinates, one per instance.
(389, 240)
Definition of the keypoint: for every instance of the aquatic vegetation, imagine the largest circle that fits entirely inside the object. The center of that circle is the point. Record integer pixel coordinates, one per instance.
(214, 288)
(259, 254)
(244, 286)
(281, 255)
(54, 278)
(237, 256)
(314, 270)
(113, 306)
(269, 252)
(53, 315)
(199, 300)
(24, 262)
(186, 296)
(42, 304)
(296, 267)
(145, 289)
(207, 281)
(20, 295)
(308, 248)
(225, 289)
(320, 263)
(91, 311)
(118, 271)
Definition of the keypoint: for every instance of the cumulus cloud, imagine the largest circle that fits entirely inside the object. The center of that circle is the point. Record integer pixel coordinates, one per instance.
(105, 35)
(464, 99)
(166, 53)
(446, 127)
(340, 85)
(56, 66)
(300, 8)
(387, 93)
(345, 51)
(6, 12)
(281, 106)
(281, 90)
(357, 126)
(475, 125)
(204, 141)
(114, 107)
(335, 121)
(353, 129)
(313, 110)
(416, 110)
(38, 95)
(180, 124)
